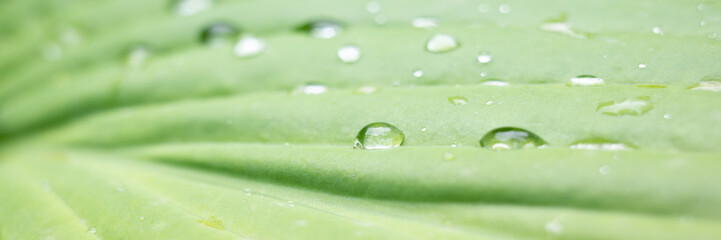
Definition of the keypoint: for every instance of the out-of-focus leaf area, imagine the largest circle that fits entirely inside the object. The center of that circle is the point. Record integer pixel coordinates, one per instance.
(256, 119)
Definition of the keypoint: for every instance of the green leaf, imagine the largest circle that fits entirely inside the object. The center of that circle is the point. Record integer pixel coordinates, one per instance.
(186, 141)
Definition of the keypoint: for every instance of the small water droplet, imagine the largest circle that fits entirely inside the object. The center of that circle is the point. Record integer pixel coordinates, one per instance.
(52, 52)
(554, 227)
(423, 129)
(605, 170)
(141, 219)
(373, 7)
(562, 28)
(311, 89)
(496, 83)
(511, 138)
(600, 144)
(657, 30)
(440, 43)
(380, 19)
(190, 7)
(629, 106)
(702, 23)
(483, 8)
(641, 66)
(667, 116)
(458, 100)
(586, 80)
(291, 204)
(713, 86)
(322, 29)
(448, 156)
(700, 7)
(418, 73)
(489, 102)
(425, 22)
(483, 74)
(349, 54)
(249, 46)
(247, 192)
(366, 90)
(92, 230)
(219, 34)
(137, 55)
(484, 57)
(379, 135)
(504, 9)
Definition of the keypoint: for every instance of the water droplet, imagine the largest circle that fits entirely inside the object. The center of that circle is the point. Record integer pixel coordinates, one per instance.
(713, 86)
(92, 230)
(373, 7)
(219, 34)
(483, 8)
(379, 135)
(496, 83)
(629, 106)
(425, 22)
(349, 54)
(249, 46)
(586, 80)
(423, 129)
(137, 55)
(562, 28)
(700, 7)
(141, 219)
(291, 204)
(448, 156)
(458, 100)
(418, 73)
(366, 90)
(702, 23)
(489, 102)
(600, 144)
(322, 29)
(511, 138)
(641, 66)
(667, 116)
(554, 227)
(380, 19)
(52, 52)
(311, 89)
(484, 57)
(605, 170)
(657, 30)
(190, 7)
(441, 43)
(483, 74)
(504, 9)
(247, 192)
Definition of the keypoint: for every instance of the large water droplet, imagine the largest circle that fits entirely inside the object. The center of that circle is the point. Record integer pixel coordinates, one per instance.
(713, 86)
(458, 100)
(349, 54)
(600, 144)
(249, 46)
(219, 34)
(586, 80)
(322, 29)
(441, 43)
(379, 135)
(484, 57)
(190, 7)
(425, 22)
(511, 138)
(629, 106)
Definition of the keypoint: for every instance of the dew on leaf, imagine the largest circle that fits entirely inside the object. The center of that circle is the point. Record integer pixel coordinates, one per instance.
(379, 135)
(249, 46)
(458, 100)
(190, 7)
(713, 86)
(496, 83)
(425, 22)
(349, 54)
(554, 227)
(365, 90)
(219, 34)
(600, 144)
(504, 9)
(373, 7)
(418, 73)
(311, 89)
(657, 30)
(605, 170)
(560, 25)
(630, 106)
(322, 29)
(641, 66)
(440, 43)
(586, 80)
(484, 57)
(511, 138)
(483, 8)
